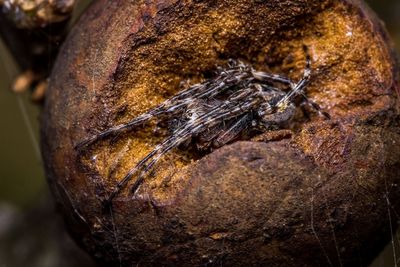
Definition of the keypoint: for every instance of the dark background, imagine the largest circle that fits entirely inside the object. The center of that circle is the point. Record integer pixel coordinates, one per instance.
(22, 182)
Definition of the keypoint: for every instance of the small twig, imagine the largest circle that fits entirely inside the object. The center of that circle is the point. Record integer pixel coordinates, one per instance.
(33, 32)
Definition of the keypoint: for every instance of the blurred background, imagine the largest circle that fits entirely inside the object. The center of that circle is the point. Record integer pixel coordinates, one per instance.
(22, 181)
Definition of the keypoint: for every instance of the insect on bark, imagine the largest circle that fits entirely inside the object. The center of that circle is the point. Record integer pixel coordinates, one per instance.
(217, 111)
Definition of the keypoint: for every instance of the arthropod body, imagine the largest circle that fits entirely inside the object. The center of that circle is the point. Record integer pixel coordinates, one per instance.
(238, 100)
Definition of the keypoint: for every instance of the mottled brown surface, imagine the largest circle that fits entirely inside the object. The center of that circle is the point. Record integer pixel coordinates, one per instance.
(312, 198)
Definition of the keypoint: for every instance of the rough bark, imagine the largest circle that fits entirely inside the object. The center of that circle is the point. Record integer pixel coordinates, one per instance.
(318, 198)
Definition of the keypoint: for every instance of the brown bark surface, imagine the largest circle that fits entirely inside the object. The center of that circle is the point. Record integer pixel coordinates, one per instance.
(317, 198)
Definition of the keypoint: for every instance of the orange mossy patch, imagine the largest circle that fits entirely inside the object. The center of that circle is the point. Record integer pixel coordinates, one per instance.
(350, 69)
